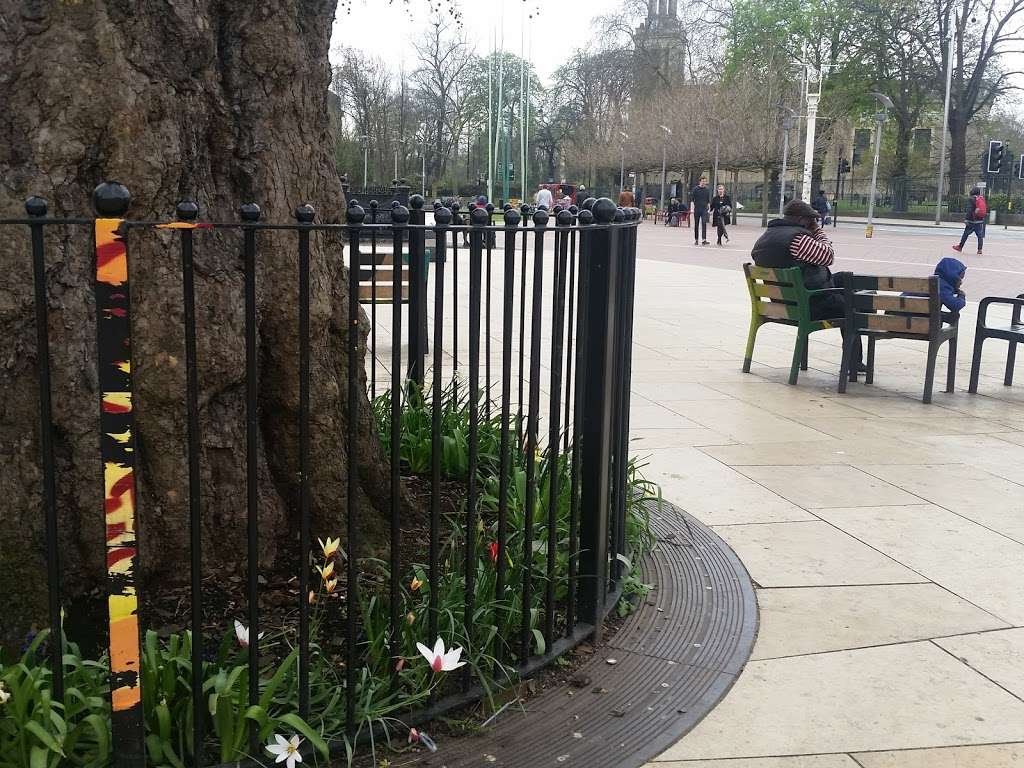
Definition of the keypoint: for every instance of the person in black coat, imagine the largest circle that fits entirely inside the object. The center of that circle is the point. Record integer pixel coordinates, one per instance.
(721, 210)
(821, 205)
(700, 197)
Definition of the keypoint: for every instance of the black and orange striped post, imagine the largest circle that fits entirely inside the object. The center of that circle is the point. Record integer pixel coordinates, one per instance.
(117, 450)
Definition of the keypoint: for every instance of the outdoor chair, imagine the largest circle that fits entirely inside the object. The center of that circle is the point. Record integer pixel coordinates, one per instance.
(1013, 333)
(779, 296)
(897, 308)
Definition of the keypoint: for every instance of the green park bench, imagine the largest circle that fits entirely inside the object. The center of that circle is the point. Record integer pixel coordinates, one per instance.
(779, 296)
(880, 308)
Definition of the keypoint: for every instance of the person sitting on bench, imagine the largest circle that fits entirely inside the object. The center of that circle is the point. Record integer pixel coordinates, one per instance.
(797, 240)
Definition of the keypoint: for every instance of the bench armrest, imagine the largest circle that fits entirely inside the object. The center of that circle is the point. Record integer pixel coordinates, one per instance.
(1017, 304)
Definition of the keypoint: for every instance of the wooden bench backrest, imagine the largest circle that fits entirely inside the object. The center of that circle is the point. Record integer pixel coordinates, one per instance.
(879, 304)
(777, 294)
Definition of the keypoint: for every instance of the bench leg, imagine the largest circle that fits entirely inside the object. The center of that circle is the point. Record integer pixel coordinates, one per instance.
(951, 366)
(847, 367)
(979, 340)
(803, 359)
(1011, 359)
(798, 355)
(929, 374)
(748, 355)
(869, 377)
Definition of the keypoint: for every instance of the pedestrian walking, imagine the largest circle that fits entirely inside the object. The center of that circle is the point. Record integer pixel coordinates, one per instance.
(974, 219)
(721, 210)
(626, 198)
(821, 204)
(700, 199)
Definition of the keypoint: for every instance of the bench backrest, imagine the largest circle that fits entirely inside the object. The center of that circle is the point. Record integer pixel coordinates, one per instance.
(881, 303)
(777, 294)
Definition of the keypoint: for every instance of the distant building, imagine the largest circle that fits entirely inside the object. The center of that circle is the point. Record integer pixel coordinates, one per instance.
(660, 47)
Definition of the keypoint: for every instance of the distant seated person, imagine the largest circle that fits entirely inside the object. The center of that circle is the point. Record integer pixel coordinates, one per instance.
(670, 212)
(797, 240)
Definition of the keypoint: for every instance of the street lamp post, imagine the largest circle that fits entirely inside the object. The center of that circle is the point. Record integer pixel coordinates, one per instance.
(718, 123)
(787, 123)
(945, 123)
(664, 147)
(622, 161)
(812, 116)
(880, 119)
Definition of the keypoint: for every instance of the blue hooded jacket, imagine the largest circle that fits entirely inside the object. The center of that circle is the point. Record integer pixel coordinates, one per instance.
(950, 271)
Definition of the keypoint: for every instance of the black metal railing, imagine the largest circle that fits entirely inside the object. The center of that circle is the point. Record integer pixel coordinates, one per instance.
(532, 547)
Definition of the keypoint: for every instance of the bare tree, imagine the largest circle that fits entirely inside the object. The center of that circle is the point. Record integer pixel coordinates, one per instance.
(985, 33)
(442, 86)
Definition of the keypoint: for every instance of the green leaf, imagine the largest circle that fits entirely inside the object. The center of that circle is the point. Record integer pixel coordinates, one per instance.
(303, 727)
(538, 636)
(101, 728)
(37, 730)
(38, 757)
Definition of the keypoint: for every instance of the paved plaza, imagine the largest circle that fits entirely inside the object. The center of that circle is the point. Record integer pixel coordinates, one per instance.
(885, 537)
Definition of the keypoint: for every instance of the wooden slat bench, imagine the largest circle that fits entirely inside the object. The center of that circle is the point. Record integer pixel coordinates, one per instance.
(878, 307)
(779, 296)
(1013, 333)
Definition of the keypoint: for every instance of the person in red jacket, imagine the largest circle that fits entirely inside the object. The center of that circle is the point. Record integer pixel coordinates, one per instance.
(974, 220)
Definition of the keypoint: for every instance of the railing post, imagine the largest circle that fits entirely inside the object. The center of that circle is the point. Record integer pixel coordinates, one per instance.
(623, 331)
(36, 207)
(117, 454)
(599, 276)
(417, 290)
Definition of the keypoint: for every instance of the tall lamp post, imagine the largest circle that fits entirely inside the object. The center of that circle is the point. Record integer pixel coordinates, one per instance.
(718, 123)
(812, 117)
(880, 119)
(622, 161)
(664, 147)
(365, 141)
(787, 123)
(945, 124)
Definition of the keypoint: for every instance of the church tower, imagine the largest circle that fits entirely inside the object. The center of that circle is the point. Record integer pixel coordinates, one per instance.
(660, 47)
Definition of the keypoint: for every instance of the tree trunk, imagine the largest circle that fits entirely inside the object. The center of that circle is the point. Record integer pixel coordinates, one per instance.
(898, 177)
(223, 103)
(957, 153)
(766, 173)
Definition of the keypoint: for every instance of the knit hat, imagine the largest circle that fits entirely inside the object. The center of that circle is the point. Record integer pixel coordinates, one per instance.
(798, 209)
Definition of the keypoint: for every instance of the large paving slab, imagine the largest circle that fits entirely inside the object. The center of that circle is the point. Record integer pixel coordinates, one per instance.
(822, 619)
(809, 554)
(802, 761)
(814, 487)
(999, 656)
(743, 422)
(989, 756)
(899, 696)
(714, 493)
(968, 559)
(968, 490)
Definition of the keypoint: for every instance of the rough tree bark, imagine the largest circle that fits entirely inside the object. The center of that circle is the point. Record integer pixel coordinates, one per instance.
(223, 102)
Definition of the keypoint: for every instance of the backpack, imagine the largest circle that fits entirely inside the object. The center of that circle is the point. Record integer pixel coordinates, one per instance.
(980, 208)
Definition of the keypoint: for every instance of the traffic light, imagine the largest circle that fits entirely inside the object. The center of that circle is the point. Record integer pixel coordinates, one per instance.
(994, 163)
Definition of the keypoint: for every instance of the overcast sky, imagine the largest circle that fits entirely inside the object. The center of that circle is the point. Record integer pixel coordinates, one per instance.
(556, 29)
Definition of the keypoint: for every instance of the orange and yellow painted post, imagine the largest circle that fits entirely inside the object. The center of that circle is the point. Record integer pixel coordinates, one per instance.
(117, 447)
